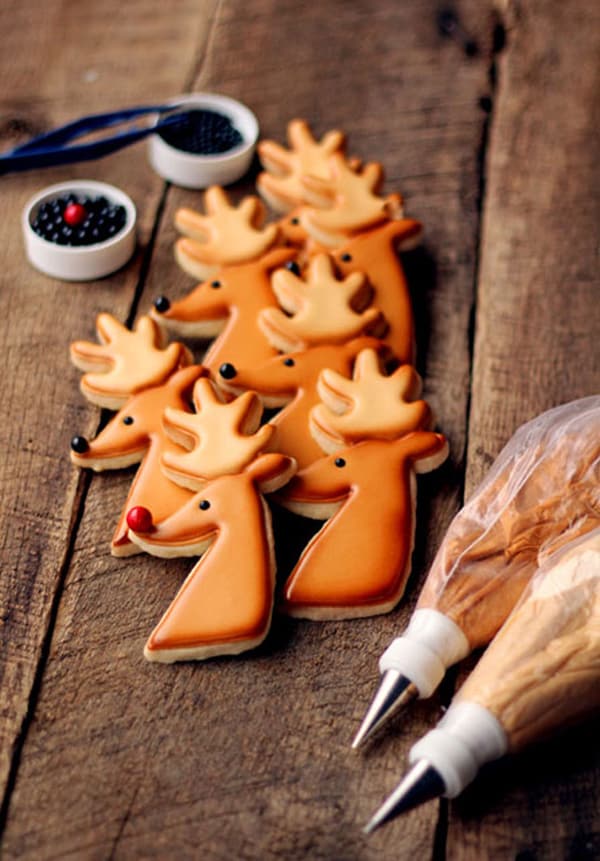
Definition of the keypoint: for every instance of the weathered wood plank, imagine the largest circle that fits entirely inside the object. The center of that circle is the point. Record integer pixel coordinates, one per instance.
(536, 346)
(56, 65)
(249, 758)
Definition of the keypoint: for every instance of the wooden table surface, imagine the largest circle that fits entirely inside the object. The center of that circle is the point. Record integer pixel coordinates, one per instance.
(490, 133)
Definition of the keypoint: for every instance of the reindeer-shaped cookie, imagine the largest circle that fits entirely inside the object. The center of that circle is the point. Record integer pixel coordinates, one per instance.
(359, 561)
(324, 332)
(226, 602)
(136, 433)
(226, 305)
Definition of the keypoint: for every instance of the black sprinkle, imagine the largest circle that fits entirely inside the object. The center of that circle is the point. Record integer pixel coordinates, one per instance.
(202, 132)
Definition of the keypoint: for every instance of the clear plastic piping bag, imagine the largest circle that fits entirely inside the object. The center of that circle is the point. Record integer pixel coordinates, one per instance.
(542, 671)
(540, 674)
(542, 492)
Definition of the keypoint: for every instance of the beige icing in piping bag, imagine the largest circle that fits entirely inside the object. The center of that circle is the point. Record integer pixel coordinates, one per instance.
(542, 491)
(541, 673)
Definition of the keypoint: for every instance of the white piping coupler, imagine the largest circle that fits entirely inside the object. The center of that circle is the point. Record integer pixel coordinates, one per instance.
(431, 643)
(467, 737)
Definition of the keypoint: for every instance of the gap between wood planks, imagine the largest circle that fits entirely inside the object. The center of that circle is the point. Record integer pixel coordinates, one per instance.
(85, 479)
(498, 44)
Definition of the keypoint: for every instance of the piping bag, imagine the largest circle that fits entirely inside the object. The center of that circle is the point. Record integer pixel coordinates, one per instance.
(542, 491)
(541, 673)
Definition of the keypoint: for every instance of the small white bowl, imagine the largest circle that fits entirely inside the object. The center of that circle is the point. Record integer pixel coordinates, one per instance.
(81, 262)
(189, 170)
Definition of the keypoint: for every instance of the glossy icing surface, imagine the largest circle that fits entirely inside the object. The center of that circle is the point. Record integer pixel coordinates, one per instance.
(226, 601)
(347, 201)
(320, 308)
(361, 557)
(291, 380)
(220, 438)
(142, 437)
(226, 234)
(374, 253)
(232, 299)
(371, 405)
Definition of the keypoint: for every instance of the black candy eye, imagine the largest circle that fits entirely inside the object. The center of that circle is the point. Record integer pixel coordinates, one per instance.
(292, 266)
(340, 462)
(227, 371)
(79, 444)
(162, 304)
(204, 504)
(289, 362)
(294, 221)
(346, 258)
(128, 420)
(215, 284)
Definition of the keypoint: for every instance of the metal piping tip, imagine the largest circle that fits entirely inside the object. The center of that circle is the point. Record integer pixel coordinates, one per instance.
(395, 691)
(422, 783)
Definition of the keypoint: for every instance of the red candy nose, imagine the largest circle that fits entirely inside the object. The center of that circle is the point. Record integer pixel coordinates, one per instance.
(139, 519)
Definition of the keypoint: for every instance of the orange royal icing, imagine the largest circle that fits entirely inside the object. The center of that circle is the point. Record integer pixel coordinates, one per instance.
(135, 434)
(225, 604)
(290, 381)
(358, 563)
(227, 307)
(374, 253)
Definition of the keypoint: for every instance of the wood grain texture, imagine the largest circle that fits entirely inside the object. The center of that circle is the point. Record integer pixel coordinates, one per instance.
(536, 346)
(249, 758)
(56, 66)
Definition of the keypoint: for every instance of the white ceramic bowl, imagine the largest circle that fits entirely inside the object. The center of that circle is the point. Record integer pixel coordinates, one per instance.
(81, 262)
(200, 171)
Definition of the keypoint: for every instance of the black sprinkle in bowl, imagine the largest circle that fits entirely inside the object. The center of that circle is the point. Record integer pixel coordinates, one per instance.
(231, 125)
(85, 261)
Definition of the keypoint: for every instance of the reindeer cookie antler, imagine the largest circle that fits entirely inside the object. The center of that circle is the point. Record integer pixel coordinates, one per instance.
(125, 362)
(220, 438)
(224, 236)
(347, 201)
(226, 602)
(371, 405)
(281, 185)
(323, 307)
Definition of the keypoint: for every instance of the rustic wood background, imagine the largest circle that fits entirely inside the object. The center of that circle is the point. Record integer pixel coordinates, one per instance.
(490, 132)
